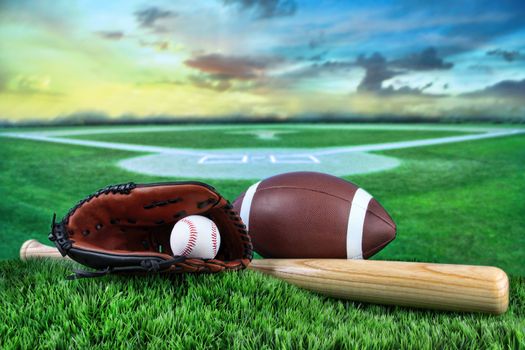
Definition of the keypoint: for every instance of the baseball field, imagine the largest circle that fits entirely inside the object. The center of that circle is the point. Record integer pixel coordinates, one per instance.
(456, 192)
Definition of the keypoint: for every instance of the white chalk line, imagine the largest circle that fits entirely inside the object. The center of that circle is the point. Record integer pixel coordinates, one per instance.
(108, 145)
(311, 153)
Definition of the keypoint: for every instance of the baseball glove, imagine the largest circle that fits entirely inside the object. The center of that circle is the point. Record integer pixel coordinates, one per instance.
(126, 229)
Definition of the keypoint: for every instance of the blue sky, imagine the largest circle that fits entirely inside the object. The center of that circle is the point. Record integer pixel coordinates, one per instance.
(262, 57)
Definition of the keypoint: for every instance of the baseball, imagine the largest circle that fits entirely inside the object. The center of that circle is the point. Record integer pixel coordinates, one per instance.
(195, 236)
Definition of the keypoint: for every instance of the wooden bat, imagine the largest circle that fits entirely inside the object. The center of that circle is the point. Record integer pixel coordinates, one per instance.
(432, 286)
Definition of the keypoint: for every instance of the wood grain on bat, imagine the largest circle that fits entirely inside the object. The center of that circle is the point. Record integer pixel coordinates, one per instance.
(435, 286)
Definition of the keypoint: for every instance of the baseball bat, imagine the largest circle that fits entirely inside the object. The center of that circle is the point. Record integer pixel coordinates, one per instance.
(447, 287)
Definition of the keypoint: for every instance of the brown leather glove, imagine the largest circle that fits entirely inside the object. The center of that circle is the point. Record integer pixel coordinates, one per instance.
(126, 229)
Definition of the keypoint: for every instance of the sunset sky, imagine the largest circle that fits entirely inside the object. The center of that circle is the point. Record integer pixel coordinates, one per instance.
(281, 58)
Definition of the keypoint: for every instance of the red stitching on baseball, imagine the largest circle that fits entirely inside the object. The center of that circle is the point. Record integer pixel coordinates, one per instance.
(214, 238)
(192, 240)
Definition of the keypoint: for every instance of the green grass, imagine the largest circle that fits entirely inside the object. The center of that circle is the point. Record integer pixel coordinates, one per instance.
(454, 203)
(458, 203)
(231, 139)
(227, 311)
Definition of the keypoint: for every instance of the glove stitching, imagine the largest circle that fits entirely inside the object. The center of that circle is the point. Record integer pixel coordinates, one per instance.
(241, 228)
(115, 189)
(162, 203)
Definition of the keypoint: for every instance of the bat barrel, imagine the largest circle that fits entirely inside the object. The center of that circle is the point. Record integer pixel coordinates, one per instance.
(432, 286)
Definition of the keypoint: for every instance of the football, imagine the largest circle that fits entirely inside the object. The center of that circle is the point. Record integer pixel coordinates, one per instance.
(313, 215)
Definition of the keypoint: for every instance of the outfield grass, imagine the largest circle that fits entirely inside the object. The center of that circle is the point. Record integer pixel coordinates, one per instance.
(454, 203)
(227, 311)
(305, 138)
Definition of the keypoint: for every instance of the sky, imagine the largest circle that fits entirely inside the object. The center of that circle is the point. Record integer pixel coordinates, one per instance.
(260, 58)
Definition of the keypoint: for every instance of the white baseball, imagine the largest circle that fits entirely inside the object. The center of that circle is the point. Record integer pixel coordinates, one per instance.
(195, 236)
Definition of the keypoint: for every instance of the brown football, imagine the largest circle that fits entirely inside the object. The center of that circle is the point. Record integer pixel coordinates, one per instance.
(313, 215)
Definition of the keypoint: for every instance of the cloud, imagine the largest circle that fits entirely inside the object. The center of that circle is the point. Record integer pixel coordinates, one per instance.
(481, 68)
(376, 71)
(505, 88)
(377, 67)
(507, 55)
(335, 65)
(407, 90)
(314, 57)
(318, 68)
(232, 67)
(478, 36)
(31, 84)
(264, 9)
(28, 85)
(318, 40)
(220, 72)
(149, 17)
(111, 35)
(207, 82)
(425, 60)
(318, 57)
(463, 27)
(466, 26)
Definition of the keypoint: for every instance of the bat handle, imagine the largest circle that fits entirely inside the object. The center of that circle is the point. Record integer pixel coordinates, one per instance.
(34, 249)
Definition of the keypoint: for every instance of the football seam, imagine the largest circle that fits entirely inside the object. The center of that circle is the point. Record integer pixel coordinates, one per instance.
(382, 218)
(377, 248)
